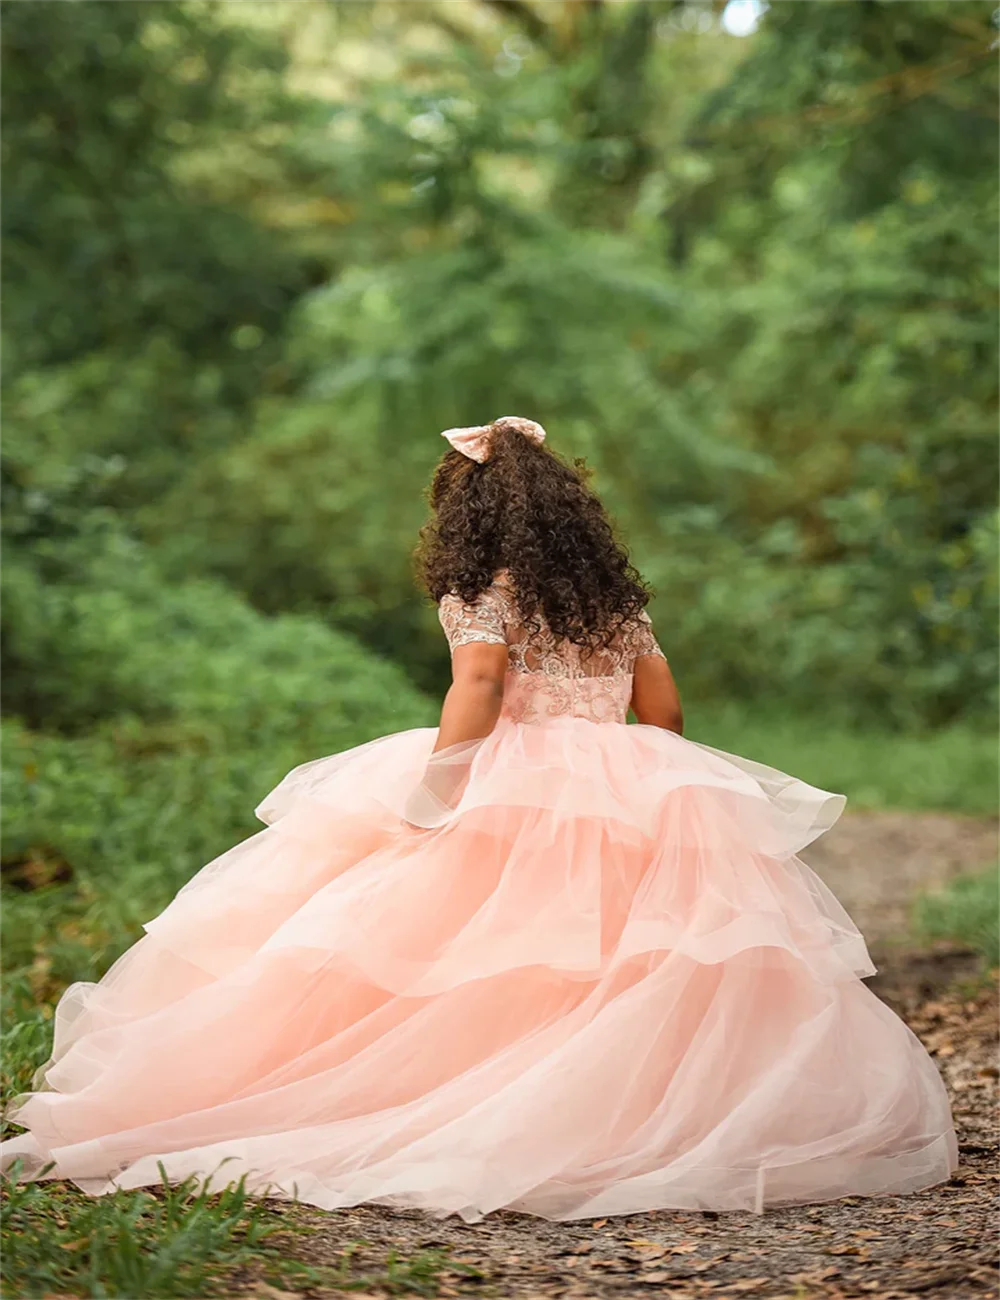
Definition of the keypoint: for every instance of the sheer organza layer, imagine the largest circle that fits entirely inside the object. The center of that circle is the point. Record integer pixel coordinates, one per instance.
(575, 970)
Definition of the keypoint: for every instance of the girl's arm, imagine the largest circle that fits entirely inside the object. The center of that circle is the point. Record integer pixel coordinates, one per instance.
(472, 705)
(655, 698)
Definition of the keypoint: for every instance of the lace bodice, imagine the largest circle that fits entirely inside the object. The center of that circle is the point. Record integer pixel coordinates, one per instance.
(548, 677)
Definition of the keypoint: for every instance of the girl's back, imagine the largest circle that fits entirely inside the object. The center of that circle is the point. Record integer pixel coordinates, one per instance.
(549, 676)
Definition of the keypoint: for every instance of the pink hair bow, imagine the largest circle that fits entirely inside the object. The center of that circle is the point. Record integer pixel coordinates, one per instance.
(474, 441)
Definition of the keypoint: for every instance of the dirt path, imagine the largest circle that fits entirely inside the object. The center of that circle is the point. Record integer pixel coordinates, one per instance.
(939, 1244)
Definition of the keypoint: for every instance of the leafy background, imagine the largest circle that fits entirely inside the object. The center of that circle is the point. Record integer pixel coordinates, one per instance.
(256, 255)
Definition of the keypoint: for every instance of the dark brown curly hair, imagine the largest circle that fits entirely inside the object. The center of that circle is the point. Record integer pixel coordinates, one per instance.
(529, 512)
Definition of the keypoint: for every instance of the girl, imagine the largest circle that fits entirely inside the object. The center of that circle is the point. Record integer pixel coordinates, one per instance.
(537, 959)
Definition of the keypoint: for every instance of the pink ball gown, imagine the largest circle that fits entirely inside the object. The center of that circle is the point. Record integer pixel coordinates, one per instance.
(574, 969)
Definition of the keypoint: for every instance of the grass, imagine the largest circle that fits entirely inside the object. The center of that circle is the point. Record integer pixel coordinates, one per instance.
(59, 1241)
(967, 911)
(952, 770)
(25, 1035)
(182, 1242)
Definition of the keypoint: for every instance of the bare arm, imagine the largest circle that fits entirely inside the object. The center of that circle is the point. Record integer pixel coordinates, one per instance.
(472, 705)
(655, 698)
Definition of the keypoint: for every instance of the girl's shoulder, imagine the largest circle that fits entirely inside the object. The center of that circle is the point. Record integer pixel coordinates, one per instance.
(486, 618)
(640, 637)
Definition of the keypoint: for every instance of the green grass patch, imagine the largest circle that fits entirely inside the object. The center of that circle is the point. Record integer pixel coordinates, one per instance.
(966, 911)
(25, 1037)
(951, 770)
(176, 1243)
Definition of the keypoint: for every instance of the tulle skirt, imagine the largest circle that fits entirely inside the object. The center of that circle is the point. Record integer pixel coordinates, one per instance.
(585, 974)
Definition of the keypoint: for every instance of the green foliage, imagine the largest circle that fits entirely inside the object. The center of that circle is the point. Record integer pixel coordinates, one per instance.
(173, 1244)
(792, 413)
(25, 1037)
(952, 768)
(112, 640)
(113, 227)
(147, 718)
(181, 708)
(761, 303)
(966, 911)
(868, 577)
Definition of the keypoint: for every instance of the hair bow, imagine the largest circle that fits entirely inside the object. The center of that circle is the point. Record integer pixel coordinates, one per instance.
(474, 441)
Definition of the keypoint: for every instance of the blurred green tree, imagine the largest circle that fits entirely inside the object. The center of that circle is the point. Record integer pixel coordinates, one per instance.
(748, 337)
(142, 291)
(753, 282)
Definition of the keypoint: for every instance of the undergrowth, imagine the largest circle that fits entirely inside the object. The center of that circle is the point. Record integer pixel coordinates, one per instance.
(953, 769)
(966, 911)
(181, 1243)
(58, 1240)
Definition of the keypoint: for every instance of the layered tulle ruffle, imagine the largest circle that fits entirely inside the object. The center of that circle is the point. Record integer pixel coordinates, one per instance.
(578, 969)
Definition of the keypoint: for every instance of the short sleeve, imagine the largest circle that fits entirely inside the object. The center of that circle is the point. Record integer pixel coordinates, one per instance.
(642, 639)
(478, 620)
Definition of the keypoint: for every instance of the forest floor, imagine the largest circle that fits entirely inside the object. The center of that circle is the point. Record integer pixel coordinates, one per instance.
(940, 1244)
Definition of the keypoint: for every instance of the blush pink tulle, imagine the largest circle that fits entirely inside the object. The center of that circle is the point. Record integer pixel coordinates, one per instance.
(600, 983)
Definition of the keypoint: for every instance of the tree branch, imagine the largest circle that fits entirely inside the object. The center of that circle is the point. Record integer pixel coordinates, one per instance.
(460, 34)
(536, 28)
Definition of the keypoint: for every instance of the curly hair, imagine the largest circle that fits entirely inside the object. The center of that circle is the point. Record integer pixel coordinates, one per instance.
(529, 512)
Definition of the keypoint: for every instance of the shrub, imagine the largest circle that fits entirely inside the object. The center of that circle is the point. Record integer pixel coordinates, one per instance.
(967, 910)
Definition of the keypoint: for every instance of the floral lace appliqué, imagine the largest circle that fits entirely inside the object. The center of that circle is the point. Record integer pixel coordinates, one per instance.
(548, 677)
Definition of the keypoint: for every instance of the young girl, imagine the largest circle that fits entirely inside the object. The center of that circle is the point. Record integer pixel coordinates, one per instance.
(536, 959)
